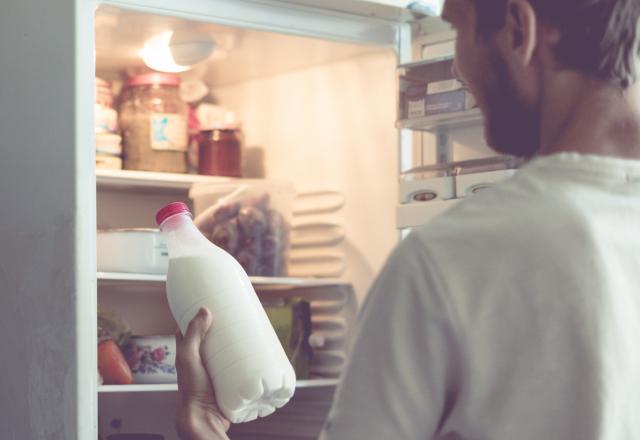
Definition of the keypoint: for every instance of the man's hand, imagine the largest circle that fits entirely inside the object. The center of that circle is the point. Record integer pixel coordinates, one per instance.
(198, 416)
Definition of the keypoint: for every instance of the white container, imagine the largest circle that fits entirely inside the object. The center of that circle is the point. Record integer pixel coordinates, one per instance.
(426, 190)
(247, 365)
(468, 184)
(132, 251)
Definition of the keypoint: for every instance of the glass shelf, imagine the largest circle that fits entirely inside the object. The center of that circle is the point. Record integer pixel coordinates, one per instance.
(150, 181)
(444, 121)
(135, 279)
(158, 388)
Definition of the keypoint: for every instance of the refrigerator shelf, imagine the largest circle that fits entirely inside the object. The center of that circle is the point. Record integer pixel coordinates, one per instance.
(156, 388)
(427, 62)
(152, 181)
(445, 121)
(136, 279)
(412, 215)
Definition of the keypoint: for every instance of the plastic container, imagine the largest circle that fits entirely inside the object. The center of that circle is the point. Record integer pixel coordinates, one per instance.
(153, 120)
(132, 251)
(250, 220)
(248, 367)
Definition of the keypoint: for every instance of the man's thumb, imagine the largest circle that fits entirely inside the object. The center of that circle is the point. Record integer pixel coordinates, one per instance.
(199, 326)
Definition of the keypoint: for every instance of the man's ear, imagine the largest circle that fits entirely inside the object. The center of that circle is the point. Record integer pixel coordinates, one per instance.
(520, 31)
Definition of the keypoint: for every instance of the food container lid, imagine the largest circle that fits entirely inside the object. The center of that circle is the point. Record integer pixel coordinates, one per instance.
(147, 79)
(170, 210)
(129, 230)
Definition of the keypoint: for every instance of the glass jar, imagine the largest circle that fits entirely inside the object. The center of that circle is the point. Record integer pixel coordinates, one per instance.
(220, 153)
(153, 120)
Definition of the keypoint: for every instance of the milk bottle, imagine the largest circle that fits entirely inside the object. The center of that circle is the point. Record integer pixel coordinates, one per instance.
(248, 367)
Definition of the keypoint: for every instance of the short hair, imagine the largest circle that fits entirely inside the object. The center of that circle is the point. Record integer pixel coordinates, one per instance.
(600, 38)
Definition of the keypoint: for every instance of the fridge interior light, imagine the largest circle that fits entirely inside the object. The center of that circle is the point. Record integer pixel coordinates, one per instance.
(176, 51)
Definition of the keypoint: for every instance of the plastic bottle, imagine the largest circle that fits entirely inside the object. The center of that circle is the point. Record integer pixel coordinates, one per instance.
(248, 367)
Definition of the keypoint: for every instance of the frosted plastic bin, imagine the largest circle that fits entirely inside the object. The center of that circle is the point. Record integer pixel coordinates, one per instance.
(251, 220)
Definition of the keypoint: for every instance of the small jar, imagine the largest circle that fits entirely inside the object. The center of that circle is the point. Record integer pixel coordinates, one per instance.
(153, 120)
(220, 153)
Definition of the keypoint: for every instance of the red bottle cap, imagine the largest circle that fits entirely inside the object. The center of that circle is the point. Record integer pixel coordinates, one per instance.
(170, 210)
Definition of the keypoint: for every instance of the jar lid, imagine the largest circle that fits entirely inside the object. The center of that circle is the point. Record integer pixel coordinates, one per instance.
(147, 79)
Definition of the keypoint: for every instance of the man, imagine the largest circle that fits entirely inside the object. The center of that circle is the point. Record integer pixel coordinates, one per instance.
(516, 315)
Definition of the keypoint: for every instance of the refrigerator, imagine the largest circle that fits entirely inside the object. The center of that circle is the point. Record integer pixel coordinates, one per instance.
(320, 90)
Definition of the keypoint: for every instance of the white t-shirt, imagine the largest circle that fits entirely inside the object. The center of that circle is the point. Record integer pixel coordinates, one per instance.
(514, 316)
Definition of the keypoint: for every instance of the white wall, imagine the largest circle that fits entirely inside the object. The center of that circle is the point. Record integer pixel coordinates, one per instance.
(333, 126)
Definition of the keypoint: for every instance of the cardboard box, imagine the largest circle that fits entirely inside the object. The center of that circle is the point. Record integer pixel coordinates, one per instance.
(420, 104)
(449, 102)
(448, 85)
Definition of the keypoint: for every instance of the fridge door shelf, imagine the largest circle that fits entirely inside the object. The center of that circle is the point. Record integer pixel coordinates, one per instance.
(416, 214)
(444, 121)
(427, 62)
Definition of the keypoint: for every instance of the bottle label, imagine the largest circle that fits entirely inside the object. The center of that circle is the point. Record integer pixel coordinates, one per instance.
(168, 132)
(162, 250)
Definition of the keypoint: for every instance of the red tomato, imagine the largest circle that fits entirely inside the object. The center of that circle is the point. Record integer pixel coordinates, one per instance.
(112, 366)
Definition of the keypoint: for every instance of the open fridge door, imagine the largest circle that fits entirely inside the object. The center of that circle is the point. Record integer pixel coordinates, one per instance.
(315, 90)
(398, 10)
(444, 156)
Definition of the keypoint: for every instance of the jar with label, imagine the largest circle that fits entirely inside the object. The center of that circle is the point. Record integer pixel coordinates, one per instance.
(220, 152)
(153, 120)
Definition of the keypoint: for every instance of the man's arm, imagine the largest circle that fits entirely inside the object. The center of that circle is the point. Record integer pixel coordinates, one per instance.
(197, 414)
(400, 382)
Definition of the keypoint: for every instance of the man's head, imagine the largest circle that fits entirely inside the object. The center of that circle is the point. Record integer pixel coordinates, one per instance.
(507, 51)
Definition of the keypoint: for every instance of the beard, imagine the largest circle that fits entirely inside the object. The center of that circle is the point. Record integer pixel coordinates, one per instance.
(511, 126)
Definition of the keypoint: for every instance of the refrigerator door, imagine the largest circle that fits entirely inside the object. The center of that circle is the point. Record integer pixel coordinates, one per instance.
(397, 10)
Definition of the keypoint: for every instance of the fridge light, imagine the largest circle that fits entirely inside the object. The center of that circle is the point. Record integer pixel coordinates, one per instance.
(157, 55)
(175, 52)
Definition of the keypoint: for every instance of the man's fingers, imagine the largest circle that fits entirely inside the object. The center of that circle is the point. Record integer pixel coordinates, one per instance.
(198, 326)
(192, 377)
(188, 345)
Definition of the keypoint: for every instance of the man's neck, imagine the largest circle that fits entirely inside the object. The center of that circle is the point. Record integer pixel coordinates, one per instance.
(585, 116)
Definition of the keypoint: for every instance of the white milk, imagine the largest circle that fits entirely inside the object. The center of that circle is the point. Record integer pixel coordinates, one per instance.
(249, 369)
